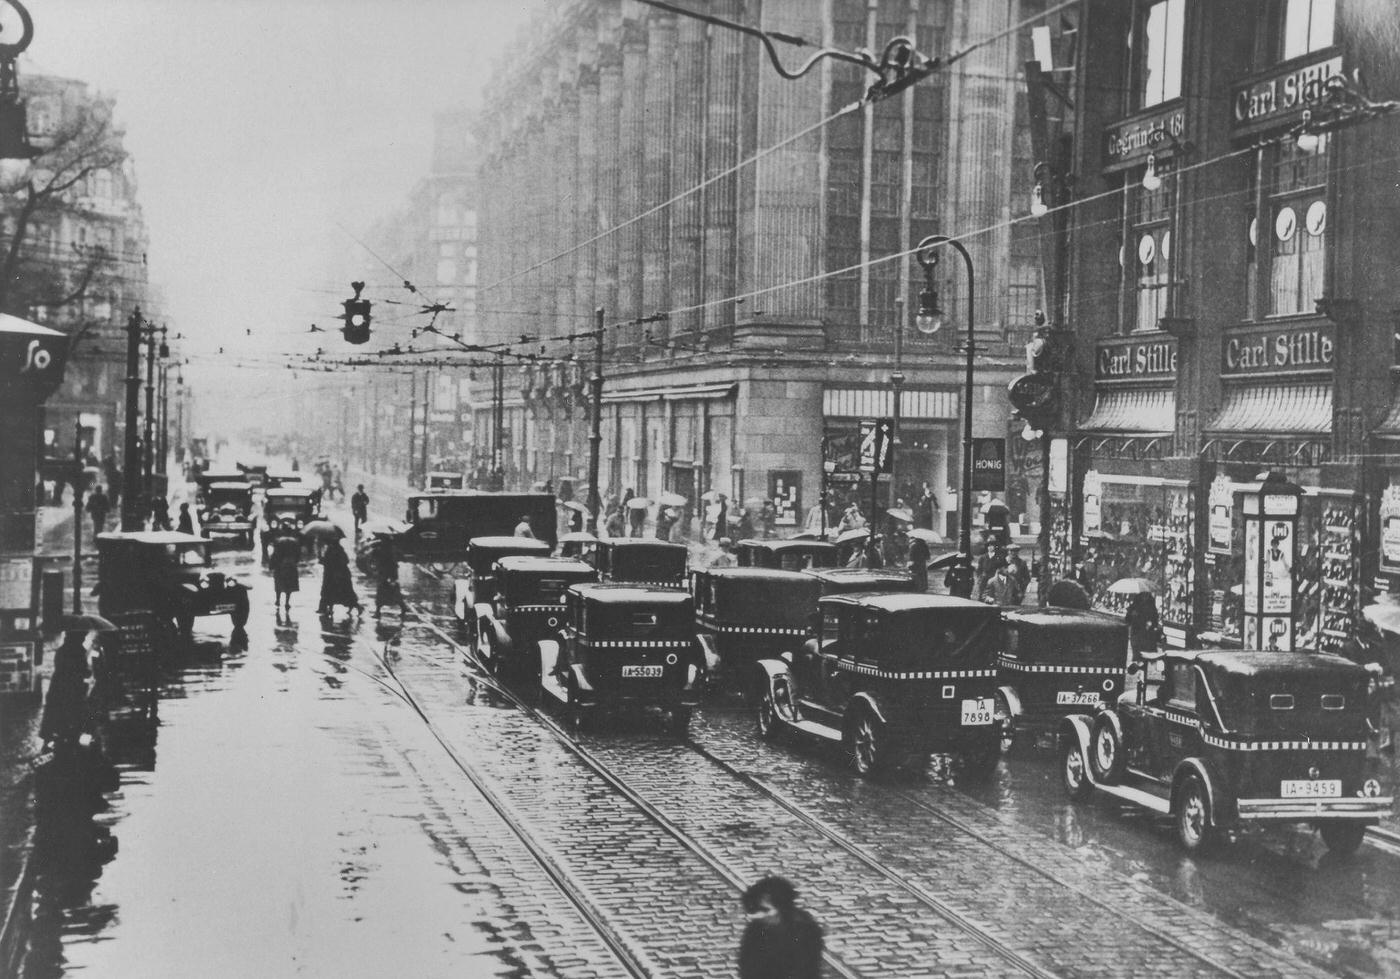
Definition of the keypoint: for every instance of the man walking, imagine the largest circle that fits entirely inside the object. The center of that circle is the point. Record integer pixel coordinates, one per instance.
(98, 506)
(359, 506)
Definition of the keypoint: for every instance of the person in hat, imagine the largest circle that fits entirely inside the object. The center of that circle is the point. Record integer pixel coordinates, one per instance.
(918, 563)
(522, 529)
(725, 557)
(184, 523)
(1000, 589)
(285, 562)
(1144, 629)
(1020, 574)
(359, 506)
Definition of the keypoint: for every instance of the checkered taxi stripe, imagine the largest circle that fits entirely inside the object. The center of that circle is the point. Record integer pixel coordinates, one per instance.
(855, 667)
(536, 608)
(638, 643)
(754, 630)
(1236, 744)
(1012, 664)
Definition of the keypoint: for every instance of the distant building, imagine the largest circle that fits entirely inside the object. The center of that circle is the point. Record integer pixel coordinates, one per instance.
(782, 296)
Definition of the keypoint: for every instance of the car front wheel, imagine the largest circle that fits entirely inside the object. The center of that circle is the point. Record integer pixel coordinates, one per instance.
(1193, 824)
(768, 724)
(1072, 769)
(1343, 838)
(868, 744)
(1105, 751)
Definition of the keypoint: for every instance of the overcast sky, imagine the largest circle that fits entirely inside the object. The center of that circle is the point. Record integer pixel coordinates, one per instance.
(258, 126)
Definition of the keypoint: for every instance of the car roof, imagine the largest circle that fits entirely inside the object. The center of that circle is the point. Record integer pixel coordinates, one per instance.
(906, 601)
(224, 476)
(290, 492)
(641, 542)
(476, 494)
(629, 593)
(504, 541)
(152, 537)
(876, 576)
(530, 562)
(1055, 615)
(788, 544)
(230, 484)
(1254, 662)
(755, 574)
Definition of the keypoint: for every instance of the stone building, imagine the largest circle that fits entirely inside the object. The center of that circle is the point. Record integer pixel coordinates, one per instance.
(1234, 303)
(645, 164)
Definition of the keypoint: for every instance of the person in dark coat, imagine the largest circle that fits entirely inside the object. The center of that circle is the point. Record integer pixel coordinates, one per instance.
(286, 568)
(98, 506)
(185, 522)
(1144, 630)
(781, 940)
(918, 562)
(385, 563)
(665, 517)
(359, 506)
(336, 586)
(160, 514)
(66, 713)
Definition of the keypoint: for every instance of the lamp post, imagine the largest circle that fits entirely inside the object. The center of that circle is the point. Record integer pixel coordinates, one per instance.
(595, 435)
(16, 153)
(929, 321)
(897, 384)
(131, 461)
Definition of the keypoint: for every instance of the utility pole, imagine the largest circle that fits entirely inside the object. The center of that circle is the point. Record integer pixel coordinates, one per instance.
(131, 465)
(595, 434)
(897, 383)
(412, 424)
(164, 416)
(78, 517)
(150, 454)
(423, 445)
(498, 420)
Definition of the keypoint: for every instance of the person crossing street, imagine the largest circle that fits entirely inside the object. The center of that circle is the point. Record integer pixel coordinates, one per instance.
(359, 506)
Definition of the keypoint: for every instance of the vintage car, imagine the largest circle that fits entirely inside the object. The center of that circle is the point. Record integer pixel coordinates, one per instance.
(226, 513)
(893, 677)
(1233, 737)
(640, 561)
(168, 575)
(203, 480)
(276, 478)
(1059, 661)
(793, 554)
(445, 482)
(743, 615)
(441, 524)
(479, 586)
(286, 510)
(844, 581)
(256, 474)
(528, 607)
(625, 645)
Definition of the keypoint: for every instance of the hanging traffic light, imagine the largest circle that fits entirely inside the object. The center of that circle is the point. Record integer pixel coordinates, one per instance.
(356, 316)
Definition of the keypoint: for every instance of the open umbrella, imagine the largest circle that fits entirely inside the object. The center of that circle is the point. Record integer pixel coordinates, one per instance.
(1133, 586)
(901, 513)
(576, 505)
(1383, 616)
(86, 623)
(672, 499)
(638, 503)
(945, 561)
(859, 533)
(710, 495)
(322, 530)
(928, 536)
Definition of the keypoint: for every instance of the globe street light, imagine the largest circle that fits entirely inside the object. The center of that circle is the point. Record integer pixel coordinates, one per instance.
(928, 322)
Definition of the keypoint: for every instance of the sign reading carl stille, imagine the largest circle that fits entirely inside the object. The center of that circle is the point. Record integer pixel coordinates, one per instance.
(1301, 350)
(1118, 360)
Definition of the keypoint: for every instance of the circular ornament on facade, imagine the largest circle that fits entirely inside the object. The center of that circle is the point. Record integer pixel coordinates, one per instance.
(1166, 246)
(1147, 249)
(1316, 218)
(1254, 231)
(1286, 224)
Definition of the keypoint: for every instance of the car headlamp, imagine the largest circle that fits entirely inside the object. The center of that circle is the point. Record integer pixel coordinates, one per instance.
(1371, 788)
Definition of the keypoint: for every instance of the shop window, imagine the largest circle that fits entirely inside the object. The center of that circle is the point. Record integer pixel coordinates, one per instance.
(1147, 254)
(1304, 26)
(1297, 208)
(1157, 49)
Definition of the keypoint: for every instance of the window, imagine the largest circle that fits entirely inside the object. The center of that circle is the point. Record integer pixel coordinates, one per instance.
(1147, 254)
(1297, 227)
(1160, 52)
(1307, 26)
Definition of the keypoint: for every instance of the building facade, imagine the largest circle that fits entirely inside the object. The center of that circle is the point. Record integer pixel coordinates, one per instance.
(749, 246)
(1232, 303)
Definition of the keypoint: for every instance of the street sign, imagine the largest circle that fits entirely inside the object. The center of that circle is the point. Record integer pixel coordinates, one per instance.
(876, 444)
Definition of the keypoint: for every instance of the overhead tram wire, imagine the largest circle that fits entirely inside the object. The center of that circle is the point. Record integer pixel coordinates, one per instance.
(760, 154)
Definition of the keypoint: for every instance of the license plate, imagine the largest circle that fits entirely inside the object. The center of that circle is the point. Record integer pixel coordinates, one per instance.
(641, 671)
(977, 711)
(1070, 697)
(1317, 788)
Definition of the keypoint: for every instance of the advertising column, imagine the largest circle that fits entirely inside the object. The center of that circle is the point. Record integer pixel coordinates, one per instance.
(1270, 552)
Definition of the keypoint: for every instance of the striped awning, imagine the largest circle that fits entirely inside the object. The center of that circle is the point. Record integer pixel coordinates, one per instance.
(1390, 428)
(1284, 409)
(1136, 411)
(914, 403)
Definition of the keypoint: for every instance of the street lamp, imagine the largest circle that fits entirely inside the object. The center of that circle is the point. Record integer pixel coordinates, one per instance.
(897, 383)
(928, 322)
(15, 151)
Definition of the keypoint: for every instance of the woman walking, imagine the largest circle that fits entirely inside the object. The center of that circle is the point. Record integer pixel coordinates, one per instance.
(286, 569)
(336, 586)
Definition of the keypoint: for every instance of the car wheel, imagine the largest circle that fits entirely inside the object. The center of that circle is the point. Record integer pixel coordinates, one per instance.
(1342, 837)
(1008, 723)
(1073, 771)
(768, 723)
(184, 626)
(486, 649)
(1193, 826)
(1105, 751)
(980, 757)
(867, 743)
(679, 722)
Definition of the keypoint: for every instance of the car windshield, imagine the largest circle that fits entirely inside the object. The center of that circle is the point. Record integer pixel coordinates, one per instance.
(186, 557)
(424, 509)
(801, 560)
(1068, 643)
(938, 638)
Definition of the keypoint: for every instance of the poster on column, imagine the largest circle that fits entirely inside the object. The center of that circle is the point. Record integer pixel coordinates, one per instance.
(785, 490)
(1251, 566)
(1278, 567)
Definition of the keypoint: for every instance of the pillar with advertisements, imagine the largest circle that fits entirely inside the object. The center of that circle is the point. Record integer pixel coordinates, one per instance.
(31, 368)
(1270, 553)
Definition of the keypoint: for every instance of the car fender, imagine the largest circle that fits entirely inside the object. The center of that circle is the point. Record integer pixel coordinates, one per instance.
(1222, 803)
(503, 643)
(708, 650)
(549, 656)
(1074, 728)
(774, 668)
(1115, 722)
(1013, 701)
(483, 614)
(461, 598)
(864, 699)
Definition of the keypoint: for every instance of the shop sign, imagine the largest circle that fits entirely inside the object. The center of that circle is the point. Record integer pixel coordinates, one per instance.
(876, 444)
(1058, 477)
(1222, 507)
(989, 465)
(1390, 528)
(1131, 141)
(1301, 350)
(1124, 360)
(1093, 507)
(17, 583)
(31, 363)
(1275, 99)
(1278, 568)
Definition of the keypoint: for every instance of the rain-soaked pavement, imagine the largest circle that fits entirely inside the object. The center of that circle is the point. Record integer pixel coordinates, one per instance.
(348, 798)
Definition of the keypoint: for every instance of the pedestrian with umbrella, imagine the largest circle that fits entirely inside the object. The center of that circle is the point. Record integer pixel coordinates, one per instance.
(385, 558)
(286, 568)
(336, 586)
(1144, 629)
(320, 531)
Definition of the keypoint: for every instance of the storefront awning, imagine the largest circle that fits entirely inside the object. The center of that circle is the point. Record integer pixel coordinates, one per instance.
(1390, 428)
(1282, 409)
(914, 403)
(671, 393)
(1133, 411)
